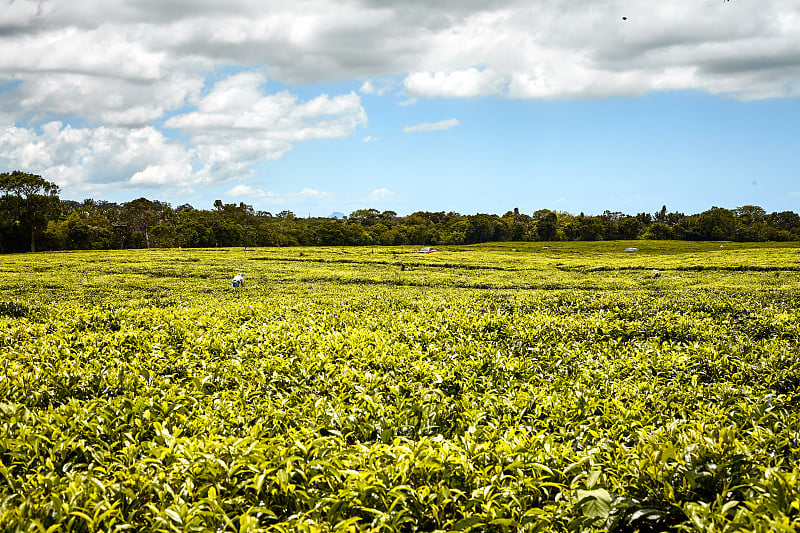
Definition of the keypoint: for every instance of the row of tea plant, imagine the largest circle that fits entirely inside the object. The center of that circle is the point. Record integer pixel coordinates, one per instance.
(559, 388)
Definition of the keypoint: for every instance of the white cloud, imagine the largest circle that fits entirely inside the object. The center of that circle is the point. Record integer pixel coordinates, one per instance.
(325, 39)
(432, 126)
(376, 87)
(118, 68)
(79, 158)
(370, 139)
(305, 196)
(313, 194)
(236, 124)
(247, 191)
(550, 48)
(379, 195)
(100, 51)
(99, 100)
(464, 83)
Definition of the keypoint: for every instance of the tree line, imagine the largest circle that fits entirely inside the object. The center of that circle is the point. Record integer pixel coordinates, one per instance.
(33, 217)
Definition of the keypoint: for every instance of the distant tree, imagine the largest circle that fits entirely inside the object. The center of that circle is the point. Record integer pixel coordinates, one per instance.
(751, 225)
(484, 228)
(356, 235)
(658, 231)
(388, 217)
(675, 217)
(330, 233)
(478, 229)
(716, 224)
(428, 217)
(609, 220)
(240, 214)
(629, 228)
(750, 213)
(546, 224)
(517, 231)
(785, 225)
(589, 228)
(517, 223)
(104, 205)
(376, 232)
(194, 229)
(81, 230)
(31, 200)
(366, 217)
(141, 215)
(613, 215)
(81, 226)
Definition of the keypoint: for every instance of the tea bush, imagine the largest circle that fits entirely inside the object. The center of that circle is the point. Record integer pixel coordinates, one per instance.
(373, 389)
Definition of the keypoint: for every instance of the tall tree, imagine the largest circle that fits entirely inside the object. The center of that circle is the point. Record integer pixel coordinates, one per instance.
(32, 198)
(366, 217)
(716, 224)
(546, 224)
(141, 215)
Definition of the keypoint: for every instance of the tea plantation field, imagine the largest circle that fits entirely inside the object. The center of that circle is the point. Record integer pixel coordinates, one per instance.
(515, 387)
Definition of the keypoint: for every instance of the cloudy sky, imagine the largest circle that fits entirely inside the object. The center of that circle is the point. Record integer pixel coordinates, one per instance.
(471, 106)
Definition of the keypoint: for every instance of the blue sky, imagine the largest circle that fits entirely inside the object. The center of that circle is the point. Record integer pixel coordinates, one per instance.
(687, 150)
(464, 106)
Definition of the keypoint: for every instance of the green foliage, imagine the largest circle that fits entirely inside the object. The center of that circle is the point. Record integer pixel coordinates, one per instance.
(557, 388)
(31, 213)
(142, 223)
(27, 203)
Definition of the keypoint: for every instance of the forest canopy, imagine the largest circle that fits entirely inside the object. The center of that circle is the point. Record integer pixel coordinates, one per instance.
(32, 218)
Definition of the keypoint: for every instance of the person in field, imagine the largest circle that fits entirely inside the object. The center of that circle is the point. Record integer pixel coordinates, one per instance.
(238, 280)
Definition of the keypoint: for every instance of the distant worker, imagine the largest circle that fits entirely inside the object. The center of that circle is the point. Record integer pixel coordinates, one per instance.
(655, 274)
(238, 280)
